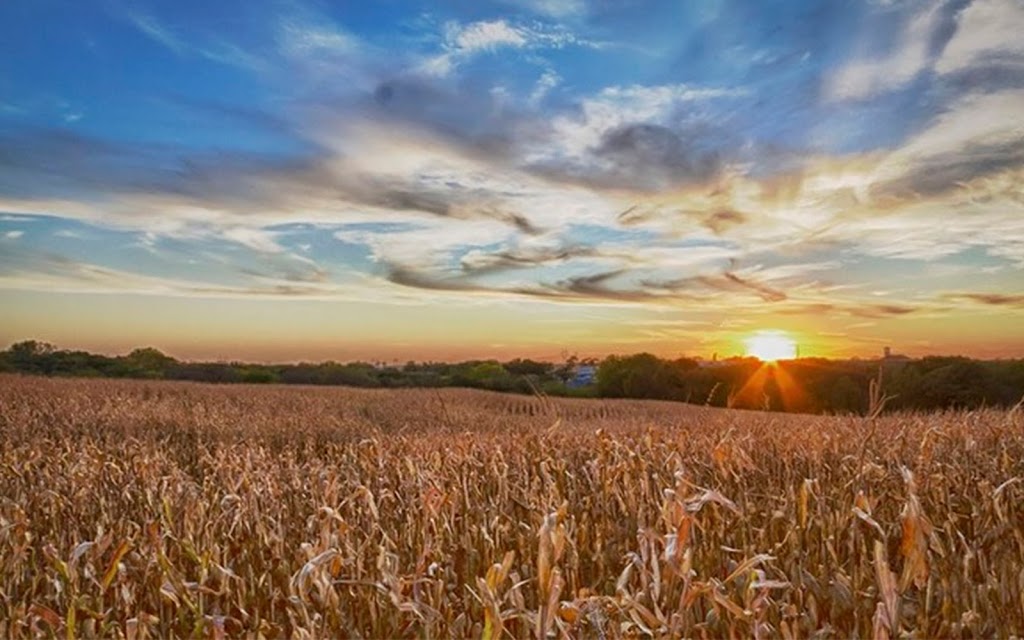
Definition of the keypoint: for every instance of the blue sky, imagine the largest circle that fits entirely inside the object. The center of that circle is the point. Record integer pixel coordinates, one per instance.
(682, 171)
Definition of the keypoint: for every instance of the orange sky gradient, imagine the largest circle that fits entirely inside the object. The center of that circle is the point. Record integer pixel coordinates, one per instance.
(267, 331)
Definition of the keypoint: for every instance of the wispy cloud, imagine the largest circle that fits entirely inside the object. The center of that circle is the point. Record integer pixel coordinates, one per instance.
(553, 8)
(545, 84)
(157, 32)
(257, 239)
(213, 48)
(461, 42)
(910, 55)
(990, 299)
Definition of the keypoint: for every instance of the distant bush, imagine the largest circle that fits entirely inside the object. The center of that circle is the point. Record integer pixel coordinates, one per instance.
(812, 385)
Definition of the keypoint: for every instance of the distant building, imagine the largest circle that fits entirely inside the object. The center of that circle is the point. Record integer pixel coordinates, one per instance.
(582, 375)
(889, 356)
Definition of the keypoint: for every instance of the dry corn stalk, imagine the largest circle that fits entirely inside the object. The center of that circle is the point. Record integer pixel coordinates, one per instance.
(152, 510)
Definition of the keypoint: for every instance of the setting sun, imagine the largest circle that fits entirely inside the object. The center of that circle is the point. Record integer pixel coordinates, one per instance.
(769, 346)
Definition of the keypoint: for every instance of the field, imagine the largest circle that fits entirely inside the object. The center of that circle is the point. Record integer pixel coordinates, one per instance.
(153, 509)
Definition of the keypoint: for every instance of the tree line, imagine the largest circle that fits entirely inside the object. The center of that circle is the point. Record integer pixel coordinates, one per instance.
(806, 385)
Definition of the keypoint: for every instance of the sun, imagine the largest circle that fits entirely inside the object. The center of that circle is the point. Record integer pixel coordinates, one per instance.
(769, 346)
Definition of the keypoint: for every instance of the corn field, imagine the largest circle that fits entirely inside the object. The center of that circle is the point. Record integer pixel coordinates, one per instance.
(136, 509)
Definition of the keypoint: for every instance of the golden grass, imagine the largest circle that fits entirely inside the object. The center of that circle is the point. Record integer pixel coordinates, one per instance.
(145, 509)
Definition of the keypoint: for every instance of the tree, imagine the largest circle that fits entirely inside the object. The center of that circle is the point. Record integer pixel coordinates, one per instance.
(147, 362)
(31, 356)
(845, 396)
(963, 384)
(488, 375)
(638, 376)
(526, 367)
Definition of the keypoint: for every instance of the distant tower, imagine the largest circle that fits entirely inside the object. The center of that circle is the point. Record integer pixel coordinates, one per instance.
(888, 352)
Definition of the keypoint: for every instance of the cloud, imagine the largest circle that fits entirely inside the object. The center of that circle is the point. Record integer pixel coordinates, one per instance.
(30, 270)
(597, 286)
(727, 281)
(545, 84)
(212, 48)
(468, 211)
(1014, 300)
(408, 277)
(719, 222)
(484, 36)
(856, 309)
(987, 33)
(882, 310)
(553, 8)
(257, 239)
(654, 156)
(477, 262)
(974, 124)
(157, 32)
(298, 39)
(867, 77)
(982, 36)
(461, 42)
(639, 137)
(640, 194)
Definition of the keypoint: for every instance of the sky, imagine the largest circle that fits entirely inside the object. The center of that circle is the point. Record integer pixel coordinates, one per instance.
(298, 179)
